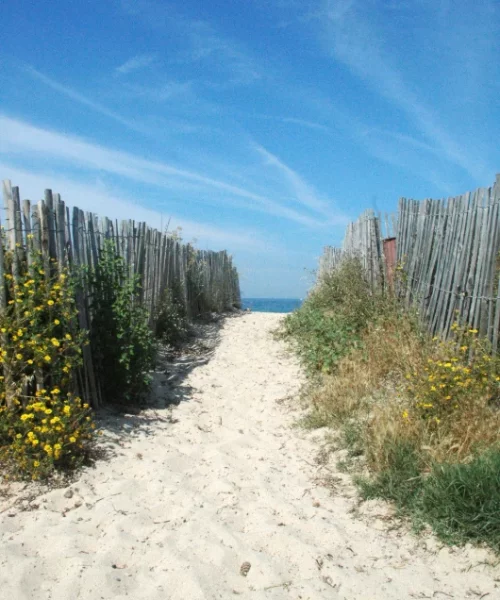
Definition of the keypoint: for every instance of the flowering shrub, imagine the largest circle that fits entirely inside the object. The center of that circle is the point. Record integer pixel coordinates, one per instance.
(462, 372)
(43, 424)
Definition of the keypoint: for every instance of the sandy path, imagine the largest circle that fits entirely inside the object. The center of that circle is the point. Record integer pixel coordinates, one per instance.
(192, 493)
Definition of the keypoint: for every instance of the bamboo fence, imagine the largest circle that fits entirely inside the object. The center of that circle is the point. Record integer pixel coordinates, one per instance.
(204, 281)
(448, 253)
(363, 239)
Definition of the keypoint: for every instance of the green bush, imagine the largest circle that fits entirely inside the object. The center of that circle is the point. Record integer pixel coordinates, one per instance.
(330, 322)
(172, 324)
(122, 341)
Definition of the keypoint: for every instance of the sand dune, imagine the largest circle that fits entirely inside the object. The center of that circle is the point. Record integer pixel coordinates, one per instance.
(190, 492)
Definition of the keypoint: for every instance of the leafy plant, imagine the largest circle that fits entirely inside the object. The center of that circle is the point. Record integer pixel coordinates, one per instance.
(330, 322)
(122, 343)
(172, 324)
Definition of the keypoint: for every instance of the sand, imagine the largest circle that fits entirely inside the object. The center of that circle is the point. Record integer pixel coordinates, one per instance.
(188, 493)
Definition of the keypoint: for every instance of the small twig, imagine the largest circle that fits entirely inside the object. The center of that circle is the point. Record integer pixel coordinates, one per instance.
(161, 522)
(285, 584)
(203, 429)
(106, 497)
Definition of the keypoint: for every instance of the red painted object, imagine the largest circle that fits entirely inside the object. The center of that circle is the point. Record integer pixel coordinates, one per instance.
(390, 259)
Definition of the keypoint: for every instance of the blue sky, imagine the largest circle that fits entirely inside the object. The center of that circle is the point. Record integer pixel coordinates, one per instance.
(260, 126)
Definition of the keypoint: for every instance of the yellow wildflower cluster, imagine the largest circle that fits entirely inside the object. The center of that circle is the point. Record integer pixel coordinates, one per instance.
(460, 372)
(42, 424)
(46, 434)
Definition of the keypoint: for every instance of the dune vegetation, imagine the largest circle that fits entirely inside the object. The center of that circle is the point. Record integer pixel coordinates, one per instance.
(418, 417)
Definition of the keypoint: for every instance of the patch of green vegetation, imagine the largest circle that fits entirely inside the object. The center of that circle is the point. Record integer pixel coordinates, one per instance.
(329, 323)
(461, 502)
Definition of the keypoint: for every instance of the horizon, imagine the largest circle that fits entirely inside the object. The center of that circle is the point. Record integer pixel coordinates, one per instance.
(261, 128)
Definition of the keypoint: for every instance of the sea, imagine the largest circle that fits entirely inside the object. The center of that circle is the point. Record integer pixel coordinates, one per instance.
(273, 305)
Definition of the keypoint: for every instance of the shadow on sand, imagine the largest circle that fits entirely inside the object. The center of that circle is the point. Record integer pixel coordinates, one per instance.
(168, 387)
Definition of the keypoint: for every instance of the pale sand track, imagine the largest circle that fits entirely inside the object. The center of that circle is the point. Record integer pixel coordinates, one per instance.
(192, 492)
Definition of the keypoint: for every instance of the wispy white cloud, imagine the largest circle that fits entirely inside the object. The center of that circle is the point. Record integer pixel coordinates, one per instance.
(228, 61)
(293, 121)
(303, 192)
(84, 100)
(102, 200)
(140, 61)
(307, 124)
(158, 93)
(347, 33)
(24, 140)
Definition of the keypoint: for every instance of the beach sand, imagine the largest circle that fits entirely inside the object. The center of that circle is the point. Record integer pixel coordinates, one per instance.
(190, 491)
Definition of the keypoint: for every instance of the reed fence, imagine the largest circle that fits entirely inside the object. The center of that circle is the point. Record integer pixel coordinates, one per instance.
(364, 239)
(448, 257)
(204, 281)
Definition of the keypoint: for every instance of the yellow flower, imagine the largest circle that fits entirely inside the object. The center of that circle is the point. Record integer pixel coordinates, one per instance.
(405, 414)
(3, 330)
(50, 302)
(47, 358)
(57, 447)
(57, 322)
(48, 449)
(67, 410)
(72, 439)
(36, 464)
(55, 342)
(56, 391)
(29, 361)
(26, 416)
(19, 356)
(473, 331)
(67, 336)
